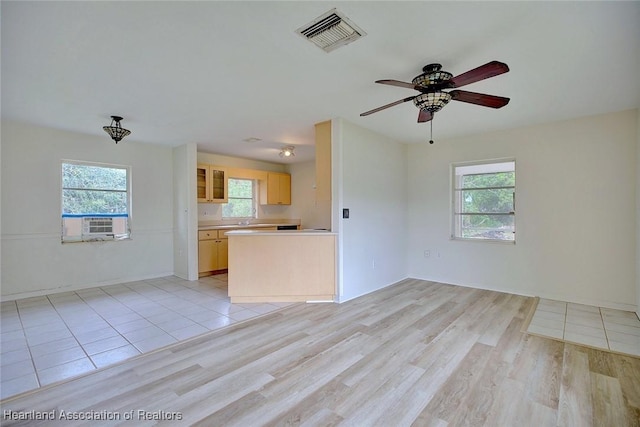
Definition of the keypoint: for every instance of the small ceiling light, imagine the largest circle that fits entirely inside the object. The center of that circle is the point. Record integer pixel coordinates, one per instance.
(252, 139)
(287, 151)
(116, 132)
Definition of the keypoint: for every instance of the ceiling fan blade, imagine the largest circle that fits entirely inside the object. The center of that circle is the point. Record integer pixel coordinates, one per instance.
(479, 98)
(424, 116)
(375, 110)
(491, 69)
(402, 84)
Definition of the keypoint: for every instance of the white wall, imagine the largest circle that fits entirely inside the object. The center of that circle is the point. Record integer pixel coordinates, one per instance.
(638, 213)
(576, 212)
(213, 211)
(185, 212)
(313, 214)
(369, 178)
(34, 262)
(1, 215)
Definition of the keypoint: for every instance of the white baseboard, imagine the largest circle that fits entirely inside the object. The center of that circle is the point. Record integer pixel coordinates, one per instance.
(546, 295)
(340, 298)
(72, 288)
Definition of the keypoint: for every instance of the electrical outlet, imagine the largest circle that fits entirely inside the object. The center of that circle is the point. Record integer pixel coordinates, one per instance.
(427, 253)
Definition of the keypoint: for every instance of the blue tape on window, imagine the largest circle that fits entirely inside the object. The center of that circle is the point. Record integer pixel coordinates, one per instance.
(95, 215)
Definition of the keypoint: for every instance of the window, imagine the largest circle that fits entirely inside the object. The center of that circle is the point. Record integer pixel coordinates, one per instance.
(484, 199)
(242, 201)
(95, 202)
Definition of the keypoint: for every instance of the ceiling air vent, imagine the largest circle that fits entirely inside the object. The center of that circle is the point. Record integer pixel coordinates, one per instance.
(331, 30)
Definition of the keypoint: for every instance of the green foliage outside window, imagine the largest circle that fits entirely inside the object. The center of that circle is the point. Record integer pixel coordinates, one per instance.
(241, 199)
(90, 189)
(486, 205)
(489, 197)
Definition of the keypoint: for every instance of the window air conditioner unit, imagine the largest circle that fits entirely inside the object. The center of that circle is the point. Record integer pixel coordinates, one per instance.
(98, 226)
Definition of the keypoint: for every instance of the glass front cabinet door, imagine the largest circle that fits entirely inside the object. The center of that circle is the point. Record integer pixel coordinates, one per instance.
(212, 184)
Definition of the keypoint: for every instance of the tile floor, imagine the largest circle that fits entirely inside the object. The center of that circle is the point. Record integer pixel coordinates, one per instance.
(49, 338)
(614, 330)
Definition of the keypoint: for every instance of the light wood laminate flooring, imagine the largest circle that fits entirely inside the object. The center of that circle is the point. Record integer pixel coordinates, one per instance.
(415, 353)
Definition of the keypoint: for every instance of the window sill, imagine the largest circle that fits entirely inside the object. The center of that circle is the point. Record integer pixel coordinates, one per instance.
(97, 240)
(502, 242)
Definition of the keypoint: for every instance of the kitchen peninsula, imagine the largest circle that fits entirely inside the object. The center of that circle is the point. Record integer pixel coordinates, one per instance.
(212, 242)
(281, 266)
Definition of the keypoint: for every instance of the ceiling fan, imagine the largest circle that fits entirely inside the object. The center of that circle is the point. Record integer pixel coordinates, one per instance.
(433, 80)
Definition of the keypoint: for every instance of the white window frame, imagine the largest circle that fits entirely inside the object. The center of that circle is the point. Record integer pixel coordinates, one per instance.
(86, 235)
(254, 199)
(482, 166)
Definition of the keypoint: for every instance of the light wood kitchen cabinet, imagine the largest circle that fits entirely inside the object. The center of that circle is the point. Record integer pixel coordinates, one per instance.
(212, 184)
(323, 161)
(213, 252)
(213, 248)
(223, 251)
(276, 190)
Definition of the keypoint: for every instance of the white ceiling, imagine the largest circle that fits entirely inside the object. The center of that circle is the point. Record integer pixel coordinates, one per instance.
(217, 73)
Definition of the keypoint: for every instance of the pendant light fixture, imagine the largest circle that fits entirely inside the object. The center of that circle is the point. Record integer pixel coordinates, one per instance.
(116, 132)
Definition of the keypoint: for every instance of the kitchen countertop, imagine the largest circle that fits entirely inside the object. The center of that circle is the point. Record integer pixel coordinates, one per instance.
(279, 233)
(238, 226)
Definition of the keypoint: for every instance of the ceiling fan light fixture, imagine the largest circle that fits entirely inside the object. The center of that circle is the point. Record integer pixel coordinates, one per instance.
(432, 76)
(433, 80)
(287, 151)
(115, 131)
(432, 101)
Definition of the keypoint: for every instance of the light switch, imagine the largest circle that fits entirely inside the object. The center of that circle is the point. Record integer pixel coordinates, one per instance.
(345, 213)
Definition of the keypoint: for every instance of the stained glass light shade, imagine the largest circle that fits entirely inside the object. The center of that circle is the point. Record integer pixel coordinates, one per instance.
(431, 78)
(115, 131)
(432, 101)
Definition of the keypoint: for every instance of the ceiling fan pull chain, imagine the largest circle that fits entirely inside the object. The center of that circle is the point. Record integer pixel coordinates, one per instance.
(431, 140)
